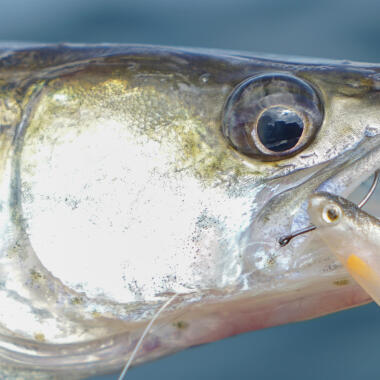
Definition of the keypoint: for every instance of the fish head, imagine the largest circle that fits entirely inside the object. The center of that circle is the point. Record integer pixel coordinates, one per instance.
(134, 173)
(343, 153)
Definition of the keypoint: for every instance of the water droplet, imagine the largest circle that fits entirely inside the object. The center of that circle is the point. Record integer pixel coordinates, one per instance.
(204, 78)
(372, 130)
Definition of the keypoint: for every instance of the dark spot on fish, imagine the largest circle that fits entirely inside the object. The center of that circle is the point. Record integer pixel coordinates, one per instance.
(271, 261)
(76, 301)
(341, 282)
(181, 325)
(39, 337)
(35, 276)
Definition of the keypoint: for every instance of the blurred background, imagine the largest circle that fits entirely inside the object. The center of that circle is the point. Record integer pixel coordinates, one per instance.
(344, 345)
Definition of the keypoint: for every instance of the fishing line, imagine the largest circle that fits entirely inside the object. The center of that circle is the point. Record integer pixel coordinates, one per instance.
(371, 190)
(146, 330)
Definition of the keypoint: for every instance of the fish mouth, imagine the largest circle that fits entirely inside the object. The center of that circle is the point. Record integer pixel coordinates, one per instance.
(362, 162)
(286, 212)
(344, 184)
(343, 176)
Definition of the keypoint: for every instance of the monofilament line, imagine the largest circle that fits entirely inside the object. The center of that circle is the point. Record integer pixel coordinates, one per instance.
(146, 330)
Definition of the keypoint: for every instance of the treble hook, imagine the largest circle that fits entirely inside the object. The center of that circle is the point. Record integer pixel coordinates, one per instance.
(285, 240)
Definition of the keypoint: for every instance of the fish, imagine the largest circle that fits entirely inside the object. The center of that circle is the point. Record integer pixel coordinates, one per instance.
(352, 235)
(131, 175)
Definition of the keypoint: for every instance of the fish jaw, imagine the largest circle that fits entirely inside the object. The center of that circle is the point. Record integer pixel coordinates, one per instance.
(200, 323)
(206, 216)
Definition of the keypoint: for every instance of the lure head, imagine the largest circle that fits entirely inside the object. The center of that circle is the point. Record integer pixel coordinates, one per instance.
(343, 226)
(324, 210)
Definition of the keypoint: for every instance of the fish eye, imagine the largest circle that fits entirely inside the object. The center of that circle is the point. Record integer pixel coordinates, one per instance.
(272, 116)
(331, 213)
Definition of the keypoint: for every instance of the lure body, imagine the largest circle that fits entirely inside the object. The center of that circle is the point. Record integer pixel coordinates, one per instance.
(352, 235)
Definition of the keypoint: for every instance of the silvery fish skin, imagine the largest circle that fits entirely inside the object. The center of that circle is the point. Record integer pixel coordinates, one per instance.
(120, 186)
(352, 235)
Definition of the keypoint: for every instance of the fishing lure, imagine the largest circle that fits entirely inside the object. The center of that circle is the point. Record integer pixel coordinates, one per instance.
(285, 240)
(352, 235)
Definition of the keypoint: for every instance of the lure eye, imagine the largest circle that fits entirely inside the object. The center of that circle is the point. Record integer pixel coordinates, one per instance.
(272, 116)
(331, 213)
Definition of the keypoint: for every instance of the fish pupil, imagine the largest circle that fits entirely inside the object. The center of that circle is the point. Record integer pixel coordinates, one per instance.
(332, 214)
(279, 129)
